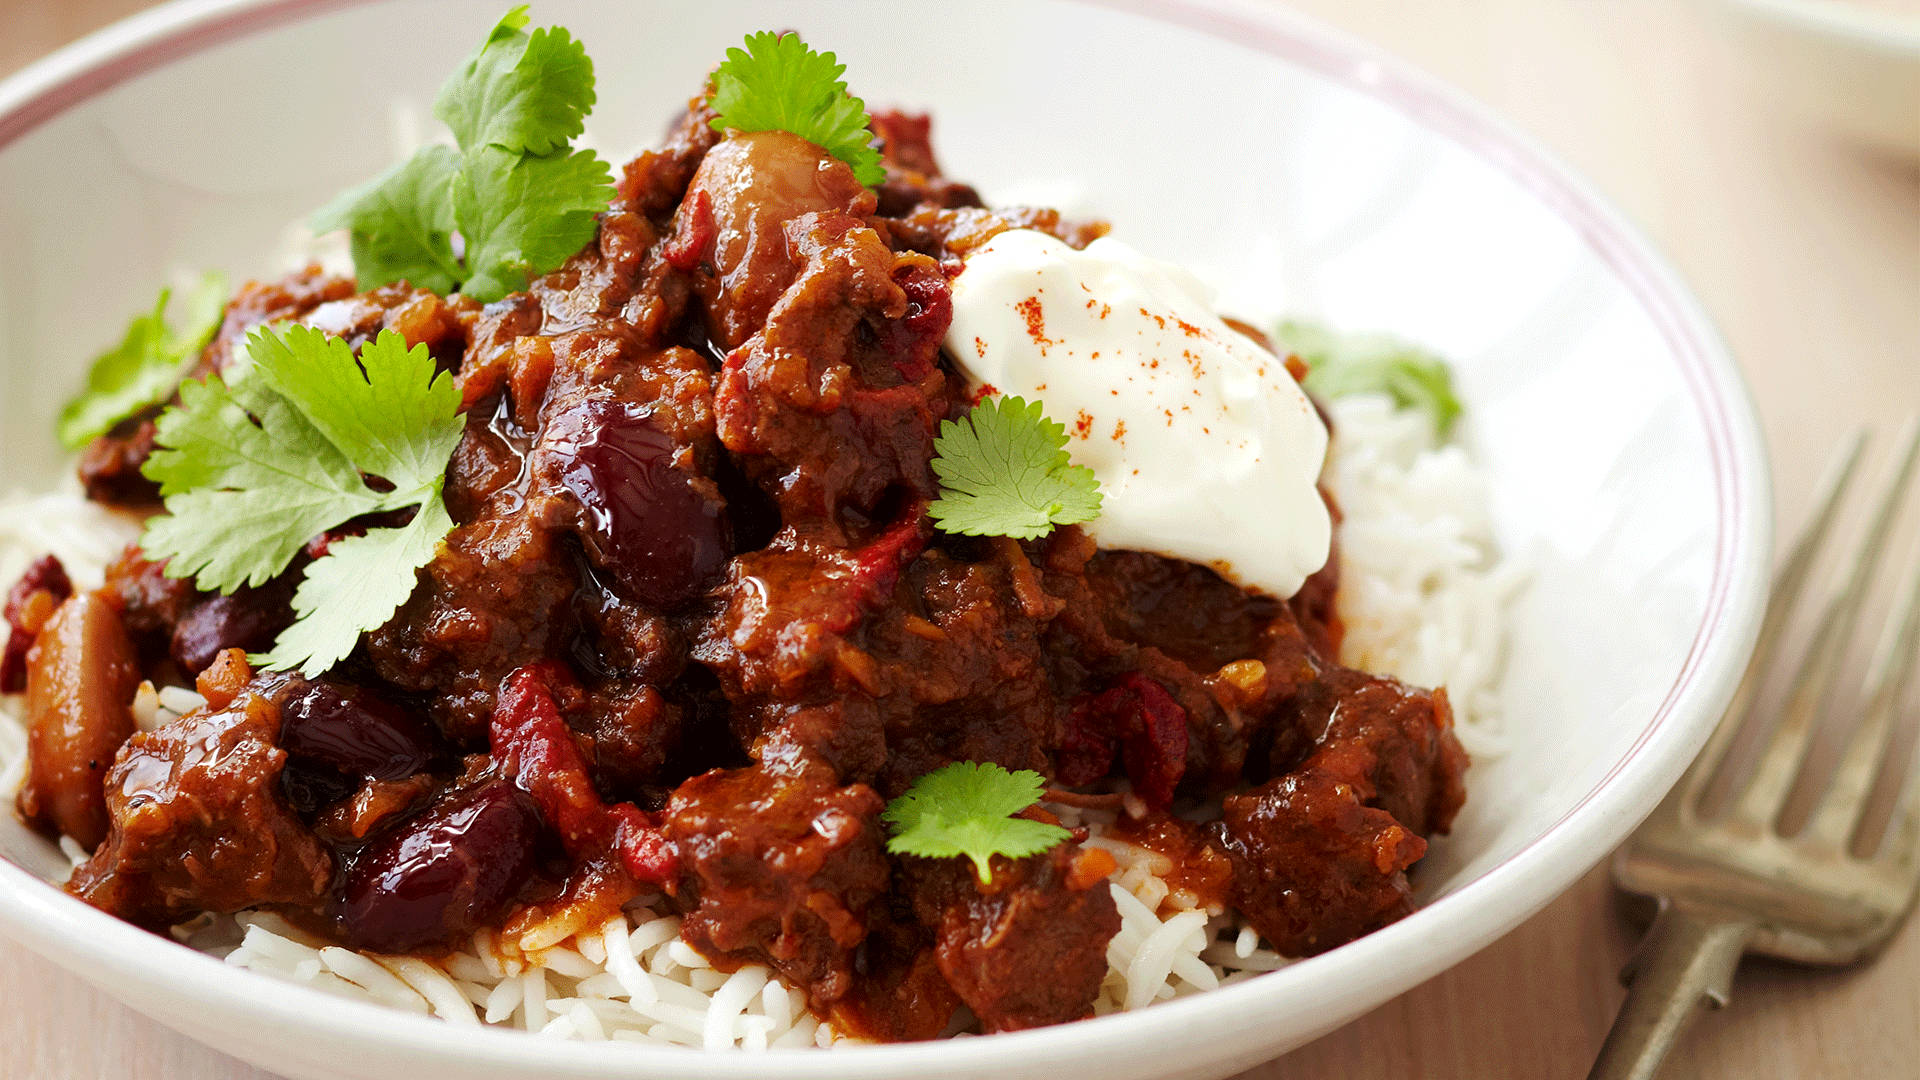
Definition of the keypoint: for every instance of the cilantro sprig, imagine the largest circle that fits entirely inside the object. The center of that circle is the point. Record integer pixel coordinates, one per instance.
(1339, 364)
(967, 808)
(144, 368)
(520, 200)
(778, 83)
(251, 471)
(1004, 471)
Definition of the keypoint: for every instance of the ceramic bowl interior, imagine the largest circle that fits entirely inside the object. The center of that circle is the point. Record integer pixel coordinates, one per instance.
(1300, 172)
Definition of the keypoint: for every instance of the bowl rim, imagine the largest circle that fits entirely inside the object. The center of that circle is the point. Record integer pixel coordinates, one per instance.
(1376, 967)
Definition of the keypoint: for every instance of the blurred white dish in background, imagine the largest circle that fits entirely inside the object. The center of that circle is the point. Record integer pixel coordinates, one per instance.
(1852, 64)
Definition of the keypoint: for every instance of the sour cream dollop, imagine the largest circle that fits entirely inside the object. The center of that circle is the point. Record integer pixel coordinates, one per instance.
(1205, 447)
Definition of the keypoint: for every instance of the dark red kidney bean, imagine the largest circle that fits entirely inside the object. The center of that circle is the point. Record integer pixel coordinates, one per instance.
(352, 731)
(443, 874)
(249, 619)
(44, 575)
(661, 537)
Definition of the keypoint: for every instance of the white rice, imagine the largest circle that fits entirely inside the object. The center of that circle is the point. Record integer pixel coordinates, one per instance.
(1423, 594)
(1423, 590)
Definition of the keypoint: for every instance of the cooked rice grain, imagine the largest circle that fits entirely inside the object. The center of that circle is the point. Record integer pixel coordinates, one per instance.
(1423, 594)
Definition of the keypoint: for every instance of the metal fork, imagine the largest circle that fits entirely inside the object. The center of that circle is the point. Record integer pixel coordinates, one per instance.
(1734, 883)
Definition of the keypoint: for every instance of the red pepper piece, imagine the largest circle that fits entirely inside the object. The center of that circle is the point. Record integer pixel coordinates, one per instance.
(533, 747)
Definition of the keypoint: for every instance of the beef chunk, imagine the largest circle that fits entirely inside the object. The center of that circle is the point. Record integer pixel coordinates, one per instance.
(1026, 949)
(199, 824)
(780, 869)
(1320, 853)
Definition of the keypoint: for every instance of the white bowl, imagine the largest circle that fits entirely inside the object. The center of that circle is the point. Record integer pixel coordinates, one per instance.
(1301, 170)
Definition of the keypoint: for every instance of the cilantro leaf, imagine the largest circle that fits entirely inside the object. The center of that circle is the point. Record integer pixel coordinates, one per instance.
(967, 808)
(778, 83)
(525, 215)
(147, 364)
(356, 586)
(1339, 364)
(400, 223)
(1004, 471)
(243, 496)
(520, 200)
(525, 93)
(251, 472)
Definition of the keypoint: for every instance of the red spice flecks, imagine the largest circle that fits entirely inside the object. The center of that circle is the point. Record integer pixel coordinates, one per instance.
(1083, 424)
(1120, 431)
(980, 348)
(1036, 318)
(1189, 329)
(1159, 320)
(985, 391)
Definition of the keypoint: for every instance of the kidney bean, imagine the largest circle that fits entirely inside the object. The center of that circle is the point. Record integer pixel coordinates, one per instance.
(443, 874)
(337, 737)
(29, 603)
(661, 537)
(354, 731)
(249, 619)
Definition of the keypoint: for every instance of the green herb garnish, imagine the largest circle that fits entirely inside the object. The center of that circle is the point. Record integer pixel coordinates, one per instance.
(521, 201)
(1339, 364)
(967, 808)
(1004, 471)
(253, 470)
(147, 364)
(777, 83)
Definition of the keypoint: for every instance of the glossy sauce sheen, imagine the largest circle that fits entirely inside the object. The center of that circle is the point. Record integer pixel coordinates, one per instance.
(693, 627)
(662, 538)
(442, 875)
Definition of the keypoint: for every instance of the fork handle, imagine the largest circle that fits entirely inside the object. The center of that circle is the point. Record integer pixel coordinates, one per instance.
(1687, 958)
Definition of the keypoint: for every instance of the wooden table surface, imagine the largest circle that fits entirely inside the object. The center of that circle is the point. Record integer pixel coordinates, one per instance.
(1807, 253)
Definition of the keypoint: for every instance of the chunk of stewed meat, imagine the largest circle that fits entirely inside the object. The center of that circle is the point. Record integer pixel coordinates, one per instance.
(1027, 947)
(198, 822)
(780, 869)
(1313, 866)
(833, 404)
(438, 877)
(151, 603)
(1392, 742)
(110, 464)
(1320, 853)
(498, 595)
(734, 217)
(81, 675)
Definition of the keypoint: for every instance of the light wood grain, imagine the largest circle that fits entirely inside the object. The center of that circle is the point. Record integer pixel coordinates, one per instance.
(1805, 251)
